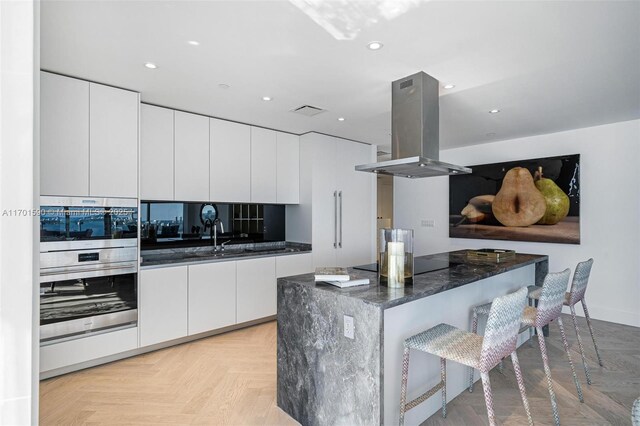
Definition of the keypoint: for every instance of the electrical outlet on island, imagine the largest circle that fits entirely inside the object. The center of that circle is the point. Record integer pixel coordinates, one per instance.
(349, 327)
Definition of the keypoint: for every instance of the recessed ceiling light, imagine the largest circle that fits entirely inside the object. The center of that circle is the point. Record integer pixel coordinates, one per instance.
(375, 45)
(491, 134)
(340, 118)
(266, 98)
(150, 65)
(449, 86)
(223, 86)
(494, 111)
(194, 43)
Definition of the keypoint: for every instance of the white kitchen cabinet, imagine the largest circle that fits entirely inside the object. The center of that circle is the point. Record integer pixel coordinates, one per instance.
(288, 168)
(191, 159)
(256, 289)
(230, 160)
(163, 304)
(113, 142)
(294, 264)
(340, 213)
(64, 135)
(263, 165)
(212, 296)
(156, 153)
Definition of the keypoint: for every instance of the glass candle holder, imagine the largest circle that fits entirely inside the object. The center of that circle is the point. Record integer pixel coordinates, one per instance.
(396, 258)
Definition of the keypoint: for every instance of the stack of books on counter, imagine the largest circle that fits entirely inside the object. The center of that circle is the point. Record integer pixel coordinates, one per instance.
(338, 277)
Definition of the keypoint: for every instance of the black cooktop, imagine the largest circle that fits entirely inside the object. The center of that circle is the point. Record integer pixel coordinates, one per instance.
(420, 266)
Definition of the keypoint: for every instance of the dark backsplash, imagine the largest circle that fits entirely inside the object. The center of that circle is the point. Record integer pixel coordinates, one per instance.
(173, 224)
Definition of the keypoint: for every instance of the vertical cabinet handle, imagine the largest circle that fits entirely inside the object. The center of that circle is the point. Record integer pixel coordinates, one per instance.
(340, 197)
(335, 217)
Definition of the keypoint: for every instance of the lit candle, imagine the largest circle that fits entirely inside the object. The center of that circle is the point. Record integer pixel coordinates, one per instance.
(395, 253)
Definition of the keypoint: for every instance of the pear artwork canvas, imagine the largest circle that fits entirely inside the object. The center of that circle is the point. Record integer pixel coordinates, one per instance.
(528, 200)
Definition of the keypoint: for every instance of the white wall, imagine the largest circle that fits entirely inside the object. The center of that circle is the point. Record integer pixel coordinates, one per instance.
(609, 210)
(18, 156)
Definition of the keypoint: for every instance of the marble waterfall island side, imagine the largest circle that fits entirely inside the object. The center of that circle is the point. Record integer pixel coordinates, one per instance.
(327, 378)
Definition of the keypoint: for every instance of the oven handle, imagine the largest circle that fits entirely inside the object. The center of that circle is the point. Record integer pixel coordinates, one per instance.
(89, 270)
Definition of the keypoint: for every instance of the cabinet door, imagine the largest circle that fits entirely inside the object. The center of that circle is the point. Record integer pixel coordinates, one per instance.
(355, 205)
(288, 168)
(230, 162)
(64, 135)
(163, 304)
(294, 264)
(212, 296)
(113, 142)
(156, 153)
(191, 157)
(324, 203)
(263, 165)
(256, 289)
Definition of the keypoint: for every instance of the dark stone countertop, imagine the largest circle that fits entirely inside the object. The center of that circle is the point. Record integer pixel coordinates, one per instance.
(194, 255)
(464, 271)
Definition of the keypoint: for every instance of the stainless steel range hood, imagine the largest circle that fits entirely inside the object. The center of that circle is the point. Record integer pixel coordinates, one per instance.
(415, 144)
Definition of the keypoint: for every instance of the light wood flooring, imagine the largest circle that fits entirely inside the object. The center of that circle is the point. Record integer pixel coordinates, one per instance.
(231, 379)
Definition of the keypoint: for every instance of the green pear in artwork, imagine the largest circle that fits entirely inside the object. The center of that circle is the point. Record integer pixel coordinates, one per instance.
(557, 201)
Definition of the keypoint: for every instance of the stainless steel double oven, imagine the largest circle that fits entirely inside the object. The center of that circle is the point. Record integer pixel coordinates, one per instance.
(88, 266)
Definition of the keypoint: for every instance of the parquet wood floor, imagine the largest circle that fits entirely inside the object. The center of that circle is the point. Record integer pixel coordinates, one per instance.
(231, 379)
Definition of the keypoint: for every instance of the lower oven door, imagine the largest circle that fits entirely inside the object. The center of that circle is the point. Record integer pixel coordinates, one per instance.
(75, 307)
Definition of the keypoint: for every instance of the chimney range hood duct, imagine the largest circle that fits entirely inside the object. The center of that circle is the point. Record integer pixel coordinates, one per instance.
(415, 131)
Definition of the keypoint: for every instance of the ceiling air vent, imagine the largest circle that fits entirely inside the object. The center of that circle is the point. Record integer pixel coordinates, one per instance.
(308, 110)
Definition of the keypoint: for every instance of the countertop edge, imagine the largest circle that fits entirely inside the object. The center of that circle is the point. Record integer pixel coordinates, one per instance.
(214, 260)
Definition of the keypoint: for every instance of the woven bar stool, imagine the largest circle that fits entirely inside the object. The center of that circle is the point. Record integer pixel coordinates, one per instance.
(469, 349)
(575, 295)
(549, 309)
(635, 413)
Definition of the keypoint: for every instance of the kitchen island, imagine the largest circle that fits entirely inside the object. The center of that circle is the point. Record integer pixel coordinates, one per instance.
(325, 377)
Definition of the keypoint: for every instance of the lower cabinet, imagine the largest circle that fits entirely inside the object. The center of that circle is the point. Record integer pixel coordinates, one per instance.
(163, 304)
(256, 288)
(212, 296)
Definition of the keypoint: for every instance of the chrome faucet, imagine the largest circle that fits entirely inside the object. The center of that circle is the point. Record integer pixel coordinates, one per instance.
(215, 233)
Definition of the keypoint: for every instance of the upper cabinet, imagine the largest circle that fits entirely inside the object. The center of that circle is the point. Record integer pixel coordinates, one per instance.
(288, 168)
(64, 135)
(191, 158)
(88, 139)
(156, 153)
(263, 165)
(230, 165)
(113, 142)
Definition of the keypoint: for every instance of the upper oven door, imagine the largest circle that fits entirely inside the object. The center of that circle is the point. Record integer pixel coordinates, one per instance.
(72, 223)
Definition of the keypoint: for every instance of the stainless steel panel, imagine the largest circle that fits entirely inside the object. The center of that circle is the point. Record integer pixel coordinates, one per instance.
(53, 246)
(88, 202)
(415, 121)
(51, 333)
(65, 265)
(413, 167)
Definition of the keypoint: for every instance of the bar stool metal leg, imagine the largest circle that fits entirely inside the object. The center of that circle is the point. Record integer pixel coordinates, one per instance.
(403, 386)
(523, 393)
(443, 378)
(547, 371)
(488, 397)
(474, 329)
(595, 345)
(568, 351)
(584, 358)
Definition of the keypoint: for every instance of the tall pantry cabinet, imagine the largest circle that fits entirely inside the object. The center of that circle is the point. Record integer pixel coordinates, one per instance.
(337, 204)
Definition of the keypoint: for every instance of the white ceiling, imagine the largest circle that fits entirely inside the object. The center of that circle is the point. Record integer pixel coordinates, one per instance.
(548, 66)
